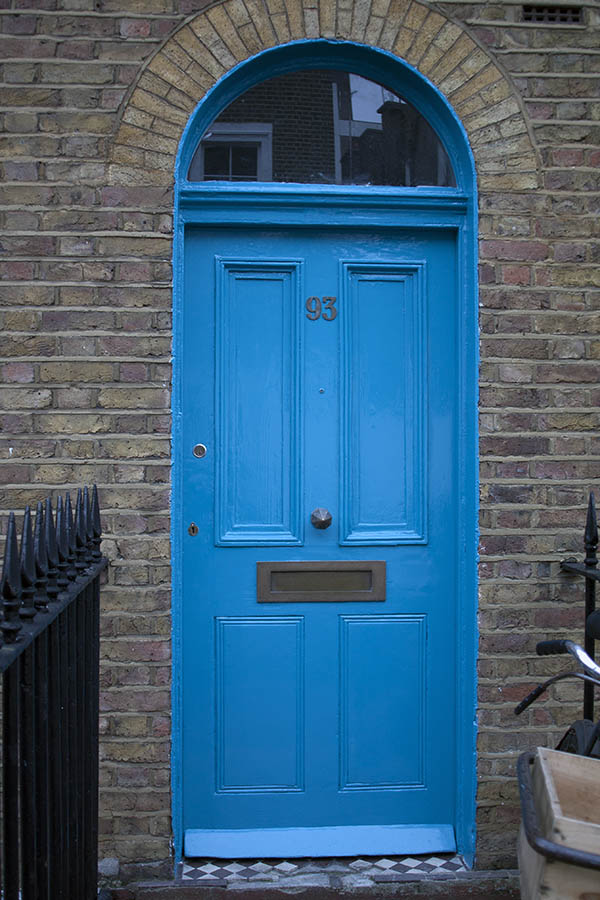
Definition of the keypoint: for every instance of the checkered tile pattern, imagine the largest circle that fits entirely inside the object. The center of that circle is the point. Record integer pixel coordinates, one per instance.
(275, 870)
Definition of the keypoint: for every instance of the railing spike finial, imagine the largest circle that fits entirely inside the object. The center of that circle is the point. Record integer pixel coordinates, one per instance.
(62, 546)
(79, 534)
(51, 551)
(590, 536)
(87, 523)
(96, 525)
(41, 561)
(27, 609)
(71, 570)
(11, 584)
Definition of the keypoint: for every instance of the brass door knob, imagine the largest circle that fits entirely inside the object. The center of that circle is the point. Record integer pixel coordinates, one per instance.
(320, 517)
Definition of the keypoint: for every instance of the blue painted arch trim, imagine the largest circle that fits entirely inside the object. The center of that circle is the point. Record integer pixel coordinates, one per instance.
(254, 203)
(378, 65)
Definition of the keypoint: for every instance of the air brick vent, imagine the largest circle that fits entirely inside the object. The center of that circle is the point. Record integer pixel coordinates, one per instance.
(553, 15)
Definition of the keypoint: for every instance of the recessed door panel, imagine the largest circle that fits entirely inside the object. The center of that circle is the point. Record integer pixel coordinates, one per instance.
(383, 440)
(382, 702)
(259, 704)
(257, 399)
(320, 588)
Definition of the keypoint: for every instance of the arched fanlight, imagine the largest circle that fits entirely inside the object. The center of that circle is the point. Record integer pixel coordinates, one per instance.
(321, 126)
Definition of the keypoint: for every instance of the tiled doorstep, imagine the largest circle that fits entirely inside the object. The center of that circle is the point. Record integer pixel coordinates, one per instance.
(346, 872)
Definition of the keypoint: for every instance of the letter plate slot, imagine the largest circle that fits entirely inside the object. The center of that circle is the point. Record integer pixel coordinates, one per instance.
(320, 581)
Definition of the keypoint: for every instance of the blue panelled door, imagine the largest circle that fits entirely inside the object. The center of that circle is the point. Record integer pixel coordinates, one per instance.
(321, 372)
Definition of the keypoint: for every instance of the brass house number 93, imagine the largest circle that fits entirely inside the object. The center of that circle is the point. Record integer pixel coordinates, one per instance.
(317, 308)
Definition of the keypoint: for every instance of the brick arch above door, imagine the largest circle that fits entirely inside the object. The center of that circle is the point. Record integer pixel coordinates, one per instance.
(214, 41)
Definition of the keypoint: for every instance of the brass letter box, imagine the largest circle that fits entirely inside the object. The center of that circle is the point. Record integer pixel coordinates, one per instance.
(320, 581)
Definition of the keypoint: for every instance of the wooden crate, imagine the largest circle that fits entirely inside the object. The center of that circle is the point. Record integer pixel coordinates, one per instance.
(566, 790)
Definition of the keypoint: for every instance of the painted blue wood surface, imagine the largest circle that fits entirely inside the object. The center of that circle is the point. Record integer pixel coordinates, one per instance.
(320, 714)
(258, 425)
(259, 704)
(383, 402)
(448, 210)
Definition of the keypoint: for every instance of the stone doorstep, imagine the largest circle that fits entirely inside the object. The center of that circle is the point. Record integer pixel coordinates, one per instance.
(493, 885)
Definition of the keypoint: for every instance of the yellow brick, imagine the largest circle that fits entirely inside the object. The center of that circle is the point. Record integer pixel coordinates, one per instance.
(451, 82)
(430, 59)
(504, 147)
(449, 35)
(281, 26)
(25, 398)
(262, 23)
(201, 76)
(374, 29)
(208, 62)
(171, 73)
(204, 31)
(344, 22)
(132, 398)
(147, 140)
(403, 42)
(130, 156)
(415, 16)
(295, 18)
(513, 126)
(476, 61)
(430, 28)
(453, 56)
(518, 182)
(393, 20)
(237, 12)
(468, 107)
(223, 55)
(493, 114)
(327, 17)
(496, 93)
(380, 8)
(490, 75)
(360, 17)
(70, 372)
(275, 7)
(183, 101)
(227, 30)
(523, 162)
(174, 51)
(311, 22)
(153, 84)
(187, 40)
(388, 35)
(167, 129)
(135, 448)
(138, 118)
(208, 35)
(159, 161)
(250, 38)
(134, 176)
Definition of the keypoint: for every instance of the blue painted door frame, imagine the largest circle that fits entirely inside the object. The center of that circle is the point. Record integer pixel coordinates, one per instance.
(449, 213)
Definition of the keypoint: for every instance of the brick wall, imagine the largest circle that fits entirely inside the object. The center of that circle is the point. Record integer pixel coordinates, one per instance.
(85, 301)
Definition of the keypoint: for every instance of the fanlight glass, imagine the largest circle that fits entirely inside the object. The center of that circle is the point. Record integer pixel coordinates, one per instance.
(322, 126)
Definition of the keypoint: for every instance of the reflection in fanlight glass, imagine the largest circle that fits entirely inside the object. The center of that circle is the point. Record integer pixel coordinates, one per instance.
(322, 126)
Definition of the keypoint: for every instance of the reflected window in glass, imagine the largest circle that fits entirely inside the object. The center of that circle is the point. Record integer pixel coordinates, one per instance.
(322, 126)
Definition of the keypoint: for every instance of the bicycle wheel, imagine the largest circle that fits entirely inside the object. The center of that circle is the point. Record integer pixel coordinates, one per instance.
(575, 740)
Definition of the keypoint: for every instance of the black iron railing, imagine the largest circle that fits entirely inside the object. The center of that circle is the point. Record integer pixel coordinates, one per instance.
(49, 640)
(589, 570)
